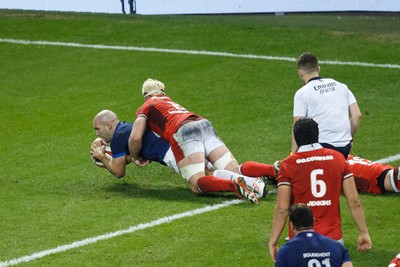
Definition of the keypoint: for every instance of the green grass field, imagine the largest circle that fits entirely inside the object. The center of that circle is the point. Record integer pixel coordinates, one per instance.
(52, 195)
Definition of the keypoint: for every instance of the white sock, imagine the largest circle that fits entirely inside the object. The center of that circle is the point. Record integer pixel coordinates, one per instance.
(394, 180)
(228, 175)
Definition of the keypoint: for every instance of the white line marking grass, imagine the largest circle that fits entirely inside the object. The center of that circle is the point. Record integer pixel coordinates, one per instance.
(389, 159)
(129, 230)
(192, 52)
(132, 229)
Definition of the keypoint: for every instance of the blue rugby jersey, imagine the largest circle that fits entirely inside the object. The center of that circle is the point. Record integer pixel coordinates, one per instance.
(309, 248)
(154, 147)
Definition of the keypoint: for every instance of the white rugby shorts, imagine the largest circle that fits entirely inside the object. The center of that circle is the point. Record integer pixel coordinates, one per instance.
(197, 136)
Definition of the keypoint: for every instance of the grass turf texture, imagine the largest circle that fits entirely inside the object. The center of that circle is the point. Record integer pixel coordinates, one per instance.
(52, 194)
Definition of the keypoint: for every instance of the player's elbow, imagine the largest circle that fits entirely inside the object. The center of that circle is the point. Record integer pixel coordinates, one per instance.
(119, 175)
(282, 209)
(131, 141)
(355, 113)
(135, 136)
(135, 144)
(354, 202)
(358, 117)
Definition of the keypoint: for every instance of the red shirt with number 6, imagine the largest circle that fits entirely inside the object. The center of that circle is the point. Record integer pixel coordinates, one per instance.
(315, 175)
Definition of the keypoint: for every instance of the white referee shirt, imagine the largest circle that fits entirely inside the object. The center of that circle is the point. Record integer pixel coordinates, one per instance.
(327, 102)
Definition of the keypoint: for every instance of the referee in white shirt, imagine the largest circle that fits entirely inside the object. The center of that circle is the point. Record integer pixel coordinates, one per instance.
(330, 103)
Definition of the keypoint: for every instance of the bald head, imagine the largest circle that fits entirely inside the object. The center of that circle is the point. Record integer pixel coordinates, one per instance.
(104, 123)
(105, 116)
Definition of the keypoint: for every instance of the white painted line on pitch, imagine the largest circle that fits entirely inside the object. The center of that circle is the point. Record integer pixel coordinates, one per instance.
(132, 229)
(389, 159)
(192, 52)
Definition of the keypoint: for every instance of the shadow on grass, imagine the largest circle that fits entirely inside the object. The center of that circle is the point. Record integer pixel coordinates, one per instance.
(168, 193)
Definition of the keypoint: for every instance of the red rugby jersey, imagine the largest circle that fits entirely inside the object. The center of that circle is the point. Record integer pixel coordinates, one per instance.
(163, 115)
(366, 173)
(315, 175)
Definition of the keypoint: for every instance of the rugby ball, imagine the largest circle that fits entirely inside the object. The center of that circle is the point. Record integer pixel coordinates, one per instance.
(108, 155)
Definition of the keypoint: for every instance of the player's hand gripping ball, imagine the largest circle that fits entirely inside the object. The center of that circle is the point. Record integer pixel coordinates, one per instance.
(108, 155)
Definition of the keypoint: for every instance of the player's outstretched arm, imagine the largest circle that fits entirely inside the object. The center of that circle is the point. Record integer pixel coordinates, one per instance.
(281, 212)
(355, 118)
(116, 166)
(135, 139)
(353, 200)
(294, 146)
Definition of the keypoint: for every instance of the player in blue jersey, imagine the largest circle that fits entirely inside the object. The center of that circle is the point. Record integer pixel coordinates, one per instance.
(110, 129)
(308, 248)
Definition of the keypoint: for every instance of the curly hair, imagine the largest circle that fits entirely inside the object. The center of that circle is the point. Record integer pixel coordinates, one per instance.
(305, 131)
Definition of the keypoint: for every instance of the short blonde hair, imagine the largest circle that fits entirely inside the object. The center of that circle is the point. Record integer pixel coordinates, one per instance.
(152, 87)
